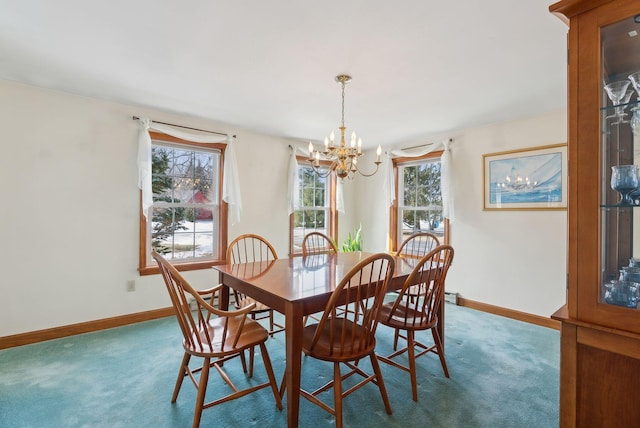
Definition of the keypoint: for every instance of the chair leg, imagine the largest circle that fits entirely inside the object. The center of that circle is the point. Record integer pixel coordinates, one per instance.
(251, 358)
(202, 389)
(383, 390)
(271, 325)
(272, 378)
(395, 339)
(411, 355)
(243, 361)
(181, 375)
(438, 342)
(337, 394)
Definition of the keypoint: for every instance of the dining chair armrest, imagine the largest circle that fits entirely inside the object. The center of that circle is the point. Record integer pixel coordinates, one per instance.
(213, 291)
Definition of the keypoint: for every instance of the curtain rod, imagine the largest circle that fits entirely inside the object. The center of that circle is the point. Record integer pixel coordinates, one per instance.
(185, 127)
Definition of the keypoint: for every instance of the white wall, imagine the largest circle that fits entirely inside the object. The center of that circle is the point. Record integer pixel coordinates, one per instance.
(69, 222)
(512, 259)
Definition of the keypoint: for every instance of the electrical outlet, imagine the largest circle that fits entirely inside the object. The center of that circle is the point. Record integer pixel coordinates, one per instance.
(131, 285)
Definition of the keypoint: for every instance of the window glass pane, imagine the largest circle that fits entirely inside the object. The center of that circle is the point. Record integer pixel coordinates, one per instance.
(422, 199)
(308, 198)
(161, 181)
(181, 162)
(203, 176)
(409, 175)
(314, 204)
(320, 219)
(319, 198)
(185, 213)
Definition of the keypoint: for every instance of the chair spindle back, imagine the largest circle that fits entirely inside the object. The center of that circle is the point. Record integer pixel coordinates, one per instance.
(318, 243)
(364, 288)
(418, 245)
(423, 291)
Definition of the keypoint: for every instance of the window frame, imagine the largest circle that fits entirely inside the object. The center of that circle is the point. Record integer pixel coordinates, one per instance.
(394, 239)
(144, 252)
(333, 211)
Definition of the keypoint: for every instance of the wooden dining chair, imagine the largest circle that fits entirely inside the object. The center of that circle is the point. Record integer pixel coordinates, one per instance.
(214, 335)
(410, 314)
(250, 248)
(318, 243)
(346, 337)
(418, 245)
(315, 243)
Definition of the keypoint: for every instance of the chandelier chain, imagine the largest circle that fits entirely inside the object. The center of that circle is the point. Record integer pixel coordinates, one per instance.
(342, 83)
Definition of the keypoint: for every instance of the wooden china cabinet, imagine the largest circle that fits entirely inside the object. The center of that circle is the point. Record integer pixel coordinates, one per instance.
(600, 334)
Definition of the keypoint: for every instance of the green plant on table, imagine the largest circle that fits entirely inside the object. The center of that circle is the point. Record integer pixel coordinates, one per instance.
(353, 243)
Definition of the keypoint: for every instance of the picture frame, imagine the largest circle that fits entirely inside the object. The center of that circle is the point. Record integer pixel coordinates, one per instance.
(525, 179)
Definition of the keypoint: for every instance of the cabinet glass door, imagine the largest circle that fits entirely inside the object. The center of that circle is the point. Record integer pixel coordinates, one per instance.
(620, 163)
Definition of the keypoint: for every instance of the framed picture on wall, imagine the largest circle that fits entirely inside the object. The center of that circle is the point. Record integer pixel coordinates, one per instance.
(526, 179)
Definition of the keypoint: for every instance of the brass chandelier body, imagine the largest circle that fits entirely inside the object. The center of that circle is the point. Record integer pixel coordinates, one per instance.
(344, 159)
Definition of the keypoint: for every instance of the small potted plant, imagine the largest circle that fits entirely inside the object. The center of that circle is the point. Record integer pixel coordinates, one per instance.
(354, 243)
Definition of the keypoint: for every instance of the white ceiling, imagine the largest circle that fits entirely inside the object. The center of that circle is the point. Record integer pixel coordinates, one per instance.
(420, 67)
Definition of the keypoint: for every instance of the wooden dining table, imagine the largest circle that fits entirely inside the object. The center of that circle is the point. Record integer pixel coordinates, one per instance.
(297, 287)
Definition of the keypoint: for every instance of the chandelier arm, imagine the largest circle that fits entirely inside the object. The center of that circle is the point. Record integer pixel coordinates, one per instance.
(320, 174)
(367, 175)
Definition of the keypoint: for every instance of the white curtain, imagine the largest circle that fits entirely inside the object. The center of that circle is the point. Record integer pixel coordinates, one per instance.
(294, 183)
(445, 179)
(339, 197)
(231, 183)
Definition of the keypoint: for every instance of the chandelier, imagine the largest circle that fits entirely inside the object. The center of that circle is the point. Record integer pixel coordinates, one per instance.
(344, 160)
(516, 182)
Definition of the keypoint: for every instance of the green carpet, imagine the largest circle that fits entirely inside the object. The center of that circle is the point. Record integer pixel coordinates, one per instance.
(504, 373)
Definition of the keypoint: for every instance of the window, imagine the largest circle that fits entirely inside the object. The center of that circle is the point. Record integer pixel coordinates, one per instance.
(317, 207)
(418, 205)
(186, 219)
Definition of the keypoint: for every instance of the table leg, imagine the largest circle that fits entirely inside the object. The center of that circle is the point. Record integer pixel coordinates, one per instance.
(223, 304)
(293, 366)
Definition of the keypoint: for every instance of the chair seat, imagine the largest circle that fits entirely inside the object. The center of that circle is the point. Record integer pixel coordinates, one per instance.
(252, 334)
(405, 317)
(323, 350)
